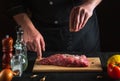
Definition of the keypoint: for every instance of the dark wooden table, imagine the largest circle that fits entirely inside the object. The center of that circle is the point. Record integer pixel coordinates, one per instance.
(67, 76)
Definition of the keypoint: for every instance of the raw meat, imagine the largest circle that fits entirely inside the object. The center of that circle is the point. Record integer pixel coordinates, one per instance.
(65, 60)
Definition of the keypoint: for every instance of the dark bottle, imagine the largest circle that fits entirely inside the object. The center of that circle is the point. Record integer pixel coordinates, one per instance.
(7, 48)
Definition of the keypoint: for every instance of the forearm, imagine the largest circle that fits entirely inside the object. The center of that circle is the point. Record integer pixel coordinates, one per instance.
(92, 3)
(23, 20)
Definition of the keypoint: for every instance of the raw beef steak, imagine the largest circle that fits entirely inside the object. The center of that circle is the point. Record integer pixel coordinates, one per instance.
(65, 60)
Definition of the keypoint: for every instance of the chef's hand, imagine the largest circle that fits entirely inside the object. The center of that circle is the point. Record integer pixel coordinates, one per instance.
(79, 16)
(34, 41)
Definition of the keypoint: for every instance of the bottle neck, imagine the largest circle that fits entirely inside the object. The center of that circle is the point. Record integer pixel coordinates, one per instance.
(19, 37)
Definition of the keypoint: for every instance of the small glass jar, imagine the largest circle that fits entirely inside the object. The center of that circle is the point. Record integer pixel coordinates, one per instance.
(16, 64)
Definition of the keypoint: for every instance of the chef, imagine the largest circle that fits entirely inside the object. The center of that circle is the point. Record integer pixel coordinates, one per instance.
(57, 25)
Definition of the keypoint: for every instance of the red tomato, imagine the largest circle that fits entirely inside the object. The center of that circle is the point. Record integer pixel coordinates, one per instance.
(114, 70)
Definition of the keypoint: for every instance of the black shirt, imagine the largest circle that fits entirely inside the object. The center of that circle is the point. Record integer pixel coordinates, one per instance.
(51, 17)
(47, 11)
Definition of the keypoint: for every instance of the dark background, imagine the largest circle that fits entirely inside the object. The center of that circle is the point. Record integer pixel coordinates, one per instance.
(108, 15)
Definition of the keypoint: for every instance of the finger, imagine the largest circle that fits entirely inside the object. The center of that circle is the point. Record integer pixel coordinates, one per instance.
(76, 20)
(72, 18)
(29, 46)
(39, 50)
(42, 44)
(32, 45)
(85, 20)
(70, 21)
(82, 16)
(35, 46)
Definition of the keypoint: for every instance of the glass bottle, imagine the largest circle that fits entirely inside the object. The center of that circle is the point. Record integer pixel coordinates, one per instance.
(16, 64)
(7, 48)
(20, 52)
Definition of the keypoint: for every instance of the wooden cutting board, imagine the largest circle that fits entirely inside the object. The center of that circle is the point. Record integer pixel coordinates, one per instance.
(95, 65)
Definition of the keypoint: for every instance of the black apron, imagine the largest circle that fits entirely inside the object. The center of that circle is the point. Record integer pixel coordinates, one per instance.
(59, 38)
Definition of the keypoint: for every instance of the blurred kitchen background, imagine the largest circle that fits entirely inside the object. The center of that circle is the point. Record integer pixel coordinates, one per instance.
(109, 21)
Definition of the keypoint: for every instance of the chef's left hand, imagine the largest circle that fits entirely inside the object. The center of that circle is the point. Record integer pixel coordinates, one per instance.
(79, 16)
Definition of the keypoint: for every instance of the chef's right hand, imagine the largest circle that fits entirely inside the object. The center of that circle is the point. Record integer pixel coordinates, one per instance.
(79, 16)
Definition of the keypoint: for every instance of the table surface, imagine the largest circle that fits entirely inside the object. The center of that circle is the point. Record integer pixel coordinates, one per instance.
(67, 76)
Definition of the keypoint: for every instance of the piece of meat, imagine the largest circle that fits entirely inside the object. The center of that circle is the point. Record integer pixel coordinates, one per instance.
(65, 60)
